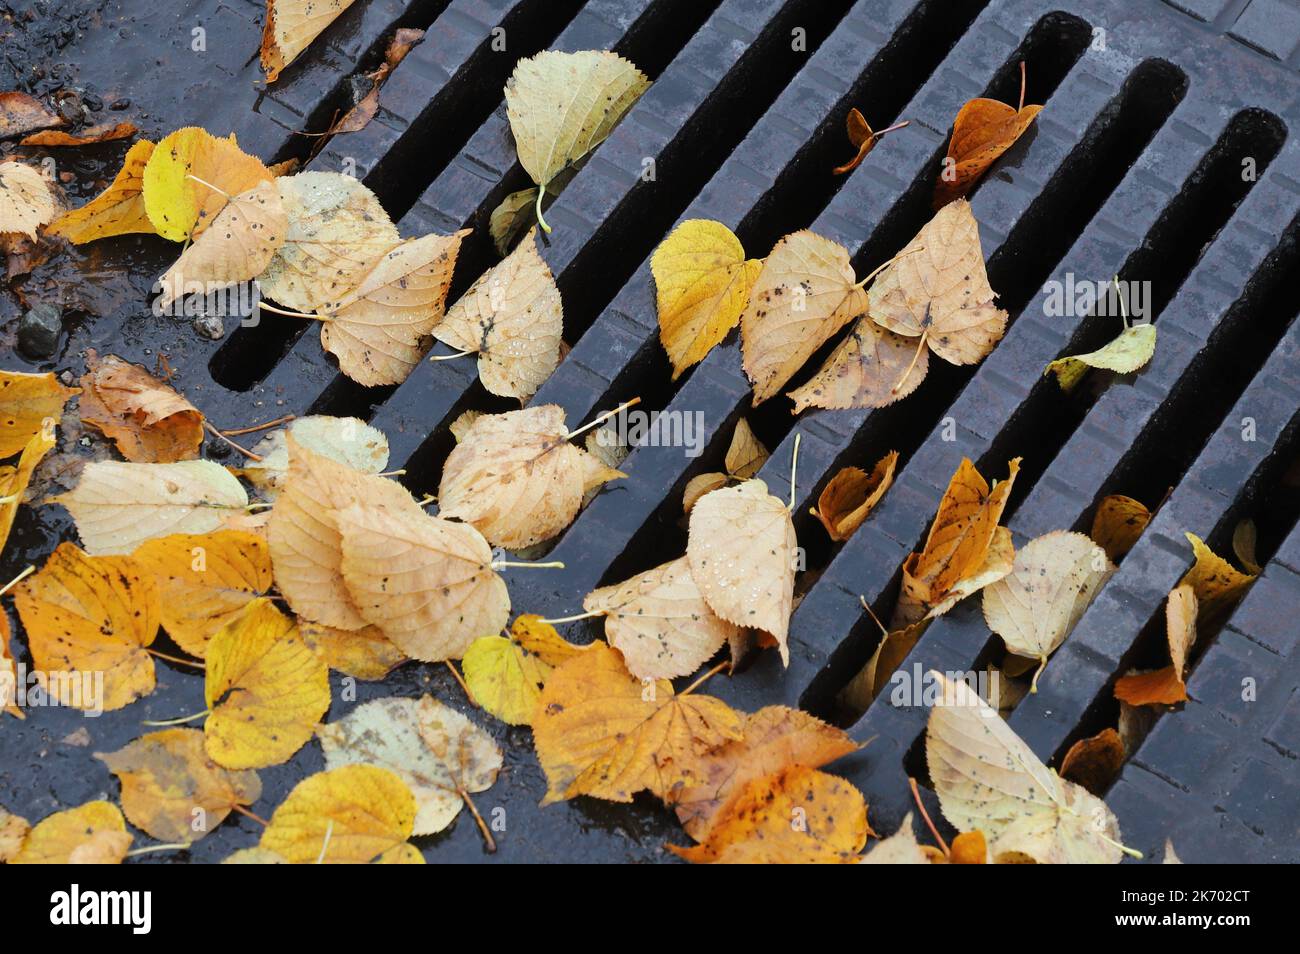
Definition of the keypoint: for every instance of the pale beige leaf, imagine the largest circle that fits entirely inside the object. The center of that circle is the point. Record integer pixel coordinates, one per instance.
(900, 848)
(348, 440)
(872, 367)
(746, 455)
(290, 27)
(1124, 354)
(26, 202)
(699, 485)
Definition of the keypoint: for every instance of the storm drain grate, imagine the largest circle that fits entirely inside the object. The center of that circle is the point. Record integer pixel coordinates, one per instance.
(1134, 169)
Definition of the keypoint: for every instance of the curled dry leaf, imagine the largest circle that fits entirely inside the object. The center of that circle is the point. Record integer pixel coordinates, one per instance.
(117, 506)
(936, 289)
(516, 213)
(1166, 686)
(746, 455)
(348, 440)
(772, 739)
(871, 680)
(337, 233)
(166, 776)
(600, 731)
(354, 814)
(983, 130)
(147, 420)
(265, 688)
(1244, 539)
(1118, 523)
(427, 583)
(21, 113)
(852, 494)
(93, 833)
(699, 485)
(872, 367)
(359, 116)
(1124, 355)
(377, 329)
(805, 293)
(742, 550)
(512, 318)
(505, 676)
(363, 654)
(1094, 762)
(989, 780)
(702, 283)
(241, 241)
(26, 400)
(516, 478)
(14, 480)
(900, 848)
(118, 210)
(659, 621)
(1053, 580)
(861, 138)
(86, 616)
(757, 826)
(179, 206)
(290, 27)
(1216, 583)
(204, 581)
(440, 755)
(104, 132)
(26, 202)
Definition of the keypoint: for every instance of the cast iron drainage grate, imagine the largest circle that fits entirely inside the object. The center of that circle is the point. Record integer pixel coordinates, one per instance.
(1135, 169)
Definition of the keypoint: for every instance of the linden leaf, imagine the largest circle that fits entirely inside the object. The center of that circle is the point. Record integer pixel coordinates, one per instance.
(93, 833)
(660, 622)
(702, 283)
(8, 694)
(118, 210)
(181, 207)
(1166, 686)
(805, 292)
(241, 241)
(871, 680)
(26, 400)
(21, 113)
(425, 582)
(1244, 540)
(900, 848)
(773, 739)
(348, 815)
(1094, 762)
(14, 480)
(290, 27)
(348, 440)
(516, 478)
(758, 825)
(265, 688)
(13, 832)
(1217, 584)
(86, 616)
(337, 233)
(988, 780)
(377, 329)
(561, 106)
(936, 288)
(852, 494)
(26, 202)
(167, 775)
(872, 367)
(600, 731)
(89, 136)
(205, 581)
(742, 550)
(512, 318)
(699, 485)
(861, 138)
(1053, 580)
(505, 676)
(983, 130)
(1130, 351)
(147, 420)
(363, 654)
(1118, 523)
(746, 455)
(117, 506)
(436, 751)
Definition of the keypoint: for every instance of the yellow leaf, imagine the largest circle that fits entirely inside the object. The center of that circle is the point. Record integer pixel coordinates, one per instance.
(13, 832)
(512, 317)
(8, 687)
(702, 283)
(795, 816)
(852, 494)
(291, 25)
(600, 731)
(26, 400)
(14, 481)
(180, 207)
(505, 676)
(742, 550)
(1217, 584)
(1125, 354)
(363, 654)
(805, 292)
(118, 210)
(1118, 523)
(205, 581)
(265, 688)
(26, 202)
(348, 815)
(89, 618)
(93, 833)
(167, 776)
(746, 455)
(147, 420)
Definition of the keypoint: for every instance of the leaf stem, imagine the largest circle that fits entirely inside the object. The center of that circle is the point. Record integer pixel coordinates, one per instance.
(393, 473)
(173, 846)
(478, 819)
(17, 579)
(920, 345)
(872, 613)
(1033, 683)
(247, 814)
(884, 265)
(217, 189)
(1022, 86)
(325, 842)
(180, 720)
(176, 659)
(893, 128)
(289, 314)
(211, 429)
(794, 467)
(602, 418)
(541, 191)
(704, 678)
(450, 357)
(916, 794)
(501, 564)
(461, 679)
(569, 619)
(236, 431)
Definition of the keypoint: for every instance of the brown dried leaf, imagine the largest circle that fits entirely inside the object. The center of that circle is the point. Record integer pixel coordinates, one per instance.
(1118, 523)
(147, 420)
(852, 494)
(872, 367)
(983, 130)
(746, 455)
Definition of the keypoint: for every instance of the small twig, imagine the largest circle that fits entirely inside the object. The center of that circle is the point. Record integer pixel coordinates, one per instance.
(602, 418)
(222, 437)
(247, 814)
(461, 679)
(704, 678)
(916, 794)
(235, 432)
(178, 721)
(482, 825)
(569, 619)
(17, 579)
(501, 564)
(872, 613)
(290, 314)
(176, 659)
